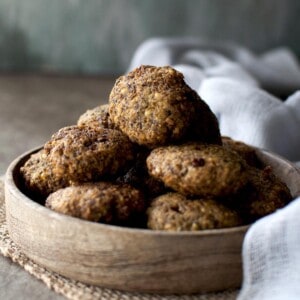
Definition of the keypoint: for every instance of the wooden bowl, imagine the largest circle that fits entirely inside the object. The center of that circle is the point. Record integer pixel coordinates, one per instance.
(137, 260)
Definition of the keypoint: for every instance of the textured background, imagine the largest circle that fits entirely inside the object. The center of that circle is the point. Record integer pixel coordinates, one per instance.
(99, 36)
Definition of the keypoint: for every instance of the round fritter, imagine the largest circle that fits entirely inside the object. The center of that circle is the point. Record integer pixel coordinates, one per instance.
(97, 117)
(38, 176)
(83, 154)
(244, 150)
(198, 169)
(264, 194)
(204, 127)
(152, 105)
(174, 212)
(99, 202)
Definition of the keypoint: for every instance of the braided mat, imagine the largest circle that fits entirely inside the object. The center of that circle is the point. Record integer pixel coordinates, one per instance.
(76, 290)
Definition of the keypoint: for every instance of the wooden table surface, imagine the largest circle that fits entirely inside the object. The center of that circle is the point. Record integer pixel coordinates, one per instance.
(33, 107)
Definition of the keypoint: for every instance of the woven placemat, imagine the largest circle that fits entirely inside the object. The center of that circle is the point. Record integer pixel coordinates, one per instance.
(72, 289)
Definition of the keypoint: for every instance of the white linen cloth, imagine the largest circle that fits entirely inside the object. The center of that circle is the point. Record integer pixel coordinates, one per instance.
(254, 116)
(241, 88)
(271, 257)
(276, 71)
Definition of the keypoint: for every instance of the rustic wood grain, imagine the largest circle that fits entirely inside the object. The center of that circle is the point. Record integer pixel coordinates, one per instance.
(130, 259)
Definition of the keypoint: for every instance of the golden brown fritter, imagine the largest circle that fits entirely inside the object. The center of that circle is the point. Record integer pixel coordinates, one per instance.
(154, 106)
(244, 150)
(97, 117)
(77, 154)
(99, 202)
(39, 177)
(83, 154)
(174, 212)
(264, 194)
(198, 170)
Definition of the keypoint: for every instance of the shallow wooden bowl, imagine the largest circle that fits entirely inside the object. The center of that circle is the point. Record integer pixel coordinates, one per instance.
(130, 259)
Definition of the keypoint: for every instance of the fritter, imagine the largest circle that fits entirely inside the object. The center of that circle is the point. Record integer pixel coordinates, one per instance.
(244, 150)
(198, 169)
(154, 106)
(82, 154)
(264, 194)
(99, 202)
(174, 212)
(97, 117)
(38, 176)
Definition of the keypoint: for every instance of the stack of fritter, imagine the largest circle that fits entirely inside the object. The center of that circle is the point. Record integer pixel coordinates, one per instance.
(153, 157)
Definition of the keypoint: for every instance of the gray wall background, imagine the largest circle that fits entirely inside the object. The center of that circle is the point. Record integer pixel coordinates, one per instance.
(100, 36)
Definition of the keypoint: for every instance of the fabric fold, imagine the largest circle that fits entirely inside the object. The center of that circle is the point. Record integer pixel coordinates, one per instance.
(252, 115)
(277, 70)
(271, 256)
